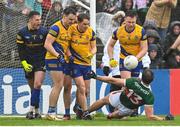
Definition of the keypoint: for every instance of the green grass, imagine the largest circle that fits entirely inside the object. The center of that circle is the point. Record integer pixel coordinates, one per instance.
(99, 120)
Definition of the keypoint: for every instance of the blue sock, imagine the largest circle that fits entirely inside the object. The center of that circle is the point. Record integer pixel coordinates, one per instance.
(67, 111)
(35, 95)
(51, 109)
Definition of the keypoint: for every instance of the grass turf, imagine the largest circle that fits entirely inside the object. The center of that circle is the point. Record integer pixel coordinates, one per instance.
(99, 120)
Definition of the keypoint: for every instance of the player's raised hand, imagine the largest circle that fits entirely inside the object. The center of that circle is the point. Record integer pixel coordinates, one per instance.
(61, 59)
(27, 67)
(91, 74)
(169, 117)
(113, 62)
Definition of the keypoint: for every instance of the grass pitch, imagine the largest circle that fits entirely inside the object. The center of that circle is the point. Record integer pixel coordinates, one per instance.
(99, 120)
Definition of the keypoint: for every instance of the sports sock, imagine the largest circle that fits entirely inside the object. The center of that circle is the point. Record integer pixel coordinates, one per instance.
(67, 111)
(52, 110)
(35, 97)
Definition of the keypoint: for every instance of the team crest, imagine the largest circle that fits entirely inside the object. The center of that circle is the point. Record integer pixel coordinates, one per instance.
(136, 38)
(41, 36)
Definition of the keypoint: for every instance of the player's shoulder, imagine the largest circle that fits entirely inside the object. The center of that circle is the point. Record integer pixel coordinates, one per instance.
(139, 27)
(23, 30)
(43, 29)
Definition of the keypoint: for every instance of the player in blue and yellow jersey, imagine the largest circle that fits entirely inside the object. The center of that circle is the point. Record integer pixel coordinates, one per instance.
(56, 44)
(136, 93)
(30, 41)
(82, 48)
(133, 41)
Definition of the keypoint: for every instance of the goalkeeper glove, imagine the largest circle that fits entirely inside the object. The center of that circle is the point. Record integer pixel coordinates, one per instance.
(169, 117)
(106, 70)
(27, 67)
(113, 62)
(61, 59)
(71, 59)
(90, 56)
(92, 74)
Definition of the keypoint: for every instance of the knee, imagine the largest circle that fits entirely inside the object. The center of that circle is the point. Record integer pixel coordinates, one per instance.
(37, 84)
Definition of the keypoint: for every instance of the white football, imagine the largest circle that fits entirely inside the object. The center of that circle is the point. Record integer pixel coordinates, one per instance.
(130, 62)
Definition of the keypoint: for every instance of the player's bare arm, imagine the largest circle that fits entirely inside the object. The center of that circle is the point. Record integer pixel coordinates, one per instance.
(144, 48)
(111, 80)
(93, 47)
(149, 113)
(48, 45)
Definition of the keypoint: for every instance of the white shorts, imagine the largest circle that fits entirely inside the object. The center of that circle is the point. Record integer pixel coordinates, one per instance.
(114, 99)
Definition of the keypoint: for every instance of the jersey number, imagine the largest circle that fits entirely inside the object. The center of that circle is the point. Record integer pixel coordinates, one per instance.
(135, 99)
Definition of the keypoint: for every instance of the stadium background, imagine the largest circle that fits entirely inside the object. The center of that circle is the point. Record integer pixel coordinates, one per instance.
(14, 91)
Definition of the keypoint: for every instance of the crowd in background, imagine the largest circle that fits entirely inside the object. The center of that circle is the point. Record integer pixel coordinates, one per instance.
(161, 20)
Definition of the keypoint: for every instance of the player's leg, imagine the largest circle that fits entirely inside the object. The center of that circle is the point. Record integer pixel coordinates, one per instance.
(67, 96)
(58, 79)
(99, 103)
(38, 80)
(30, 79)
(57, 74)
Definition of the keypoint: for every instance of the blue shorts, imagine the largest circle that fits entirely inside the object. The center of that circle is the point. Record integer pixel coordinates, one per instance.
(80, 70)
(54, 65)
(68, 69)
(134, 72)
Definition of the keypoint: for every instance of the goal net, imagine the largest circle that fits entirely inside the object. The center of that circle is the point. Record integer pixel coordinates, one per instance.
(14, 90)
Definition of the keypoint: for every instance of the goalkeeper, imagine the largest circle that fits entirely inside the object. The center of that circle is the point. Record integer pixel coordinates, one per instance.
(30, 41)
(136, 93)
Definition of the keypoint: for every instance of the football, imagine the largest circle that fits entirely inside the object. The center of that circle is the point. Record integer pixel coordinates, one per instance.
(130, 62)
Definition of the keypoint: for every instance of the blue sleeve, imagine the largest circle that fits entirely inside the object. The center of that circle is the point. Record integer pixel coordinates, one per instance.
(114, 35)
(54, 30)
(93, 36)
(144, 36)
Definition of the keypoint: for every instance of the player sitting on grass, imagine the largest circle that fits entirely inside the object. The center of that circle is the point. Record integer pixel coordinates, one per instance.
(136, 93)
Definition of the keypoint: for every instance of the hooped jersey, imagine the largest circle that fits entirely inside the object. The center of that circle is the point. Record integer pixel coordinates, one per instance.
(129, 42)
(31, 44)
(136, 94)
(60, 32)
(80, 44)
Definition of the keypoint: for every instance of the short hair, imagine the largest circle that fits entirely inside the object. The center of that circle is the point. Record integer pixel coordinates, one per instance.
(82, 16)
(69, 10)
(147, 76)
(32, 13)
(131, 13)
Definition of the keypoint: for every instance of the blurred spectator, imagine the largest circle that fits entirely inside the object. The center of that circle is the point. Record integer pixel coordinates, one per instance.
(173, 59)
(127, 5)
(34, 5)
(111, 6)
(141, 9)
(46, 6)
(160, 11)
(154, 38)
(174, 32)
(175, 14)
(150, 24)
(156, 61)
(55, 14)
(100, 5)
(118, 18)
